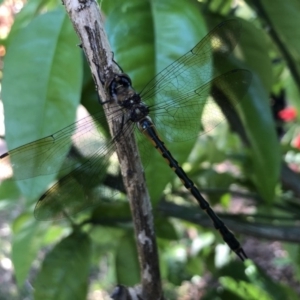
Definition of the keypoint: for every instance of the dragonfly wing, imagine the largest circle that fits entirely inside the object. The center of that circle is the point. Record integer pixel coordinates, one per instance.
(180, 119)
(195, 67)
(52, 153)
(83, 187)
(177, 95)
(74, 192)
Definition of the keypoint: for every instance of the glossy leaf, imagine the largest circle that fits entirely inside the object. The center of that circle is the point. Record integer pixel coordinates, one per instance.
(42, 80)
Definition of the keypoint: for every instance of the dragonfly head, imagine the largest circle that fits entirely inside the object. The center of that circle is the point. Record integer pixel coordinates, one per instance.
(119, 88)
(121, 91)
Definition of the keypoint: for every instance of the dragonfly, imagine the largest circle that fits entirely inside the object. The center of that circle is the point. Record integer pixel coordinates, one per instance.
(171, 103)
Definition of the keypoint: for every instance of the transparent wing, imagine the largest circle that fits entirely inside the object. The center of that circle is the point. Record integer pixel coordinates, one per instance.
(177, 95)
(73, 192)
(80, 188)
(82, 152)
(181, 120)
(194, 68)
(49, 154)
(178, 92)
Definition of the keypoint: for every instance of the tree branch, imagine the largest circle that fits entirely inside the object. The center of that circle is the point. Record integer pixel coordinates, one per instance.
(88, 23)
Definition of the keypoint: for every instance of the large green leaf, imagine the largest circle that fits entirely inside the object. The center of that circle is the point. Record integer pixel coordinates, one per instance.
(41, 84)
(64, 273)
(254, 108)
(25, 16)
(160, 33)
(256, 114)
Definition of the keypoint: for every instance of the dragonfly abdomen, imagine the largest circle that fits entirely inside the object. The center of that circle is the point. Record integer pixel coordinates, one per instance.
(148, 129)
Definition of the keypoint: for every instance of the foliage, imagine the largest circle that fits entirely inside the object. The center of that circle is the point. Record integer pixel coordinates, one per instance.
(46, 77)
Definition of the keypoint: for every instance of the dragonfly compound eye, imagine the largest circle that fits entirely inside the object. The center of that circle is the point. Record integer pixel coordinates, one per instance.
(118, 83)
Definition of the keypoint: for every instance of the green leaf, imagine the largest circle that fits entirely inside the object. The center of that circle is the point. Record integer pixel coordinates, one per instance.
(254, 45)
(147, 49)
(41, 85)
(257, 116)
(27, 235)
(284, 20)
(64, 273)
(255, 113)
(111, 213)
(127, 264)
(165, 229)
(244, 289)
(260, 130)
(29, 11)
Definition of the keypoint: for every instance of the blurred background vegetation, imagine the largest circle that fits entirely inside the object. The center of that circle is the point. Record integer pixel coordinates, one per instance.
(249, 174)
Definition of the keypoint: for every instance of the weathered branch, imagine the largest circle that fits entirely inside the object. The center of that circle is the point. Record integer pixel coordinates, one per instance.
(88, 23)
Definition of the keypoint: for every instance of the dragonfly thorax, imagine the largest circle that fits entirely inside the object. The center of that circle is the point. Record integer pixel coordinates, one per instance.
(138, 112)
(123, 94)
(120, 89)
